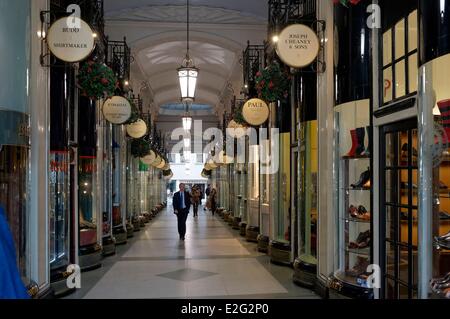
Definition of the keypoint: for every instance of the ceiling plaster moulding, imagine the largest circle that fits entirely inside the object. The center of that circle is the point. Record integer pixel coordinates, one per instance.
(177, 14)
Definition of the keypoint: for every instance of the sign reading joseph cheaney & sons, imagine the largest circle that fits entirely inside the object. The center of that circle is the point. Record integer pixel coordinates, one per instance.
(71, 44)
(298, 45)
(255, 112)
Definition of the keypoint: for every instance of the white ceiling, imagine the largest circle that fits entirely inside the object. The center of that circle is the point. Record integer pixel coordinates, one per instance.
(156, 33)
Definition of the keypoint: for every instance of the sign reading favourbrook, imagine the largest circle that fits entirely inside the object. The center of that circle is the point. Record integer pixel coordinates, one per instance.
(298, 45)
(71, 44)
(117, 110)
(255, 112)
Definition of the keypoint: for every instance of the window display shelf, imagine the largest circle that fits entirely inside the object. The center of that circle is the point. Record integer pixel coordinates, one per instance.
(356, 220)
(356, 189)
(358, 251)
(359, 157)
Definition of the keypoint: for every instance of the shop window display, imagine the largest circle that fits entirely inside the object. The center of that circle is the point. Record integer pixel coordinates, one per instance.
(400, 58)
(59, 209)
(440, 87)
(354, 199)
(399, 204)
(308, 194)
(86, 200)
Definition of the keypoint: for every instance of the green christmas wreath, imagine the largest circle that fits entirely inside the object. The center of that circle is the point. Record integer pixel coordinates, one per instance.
(273, 83)
(238, 117)
(346, 2)
(135, 116)
(96, 80)
(140, 148)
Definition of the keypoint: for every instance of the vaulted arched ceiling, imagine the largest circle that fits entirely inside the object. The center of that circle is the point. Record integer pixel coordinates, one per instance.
(156, 33)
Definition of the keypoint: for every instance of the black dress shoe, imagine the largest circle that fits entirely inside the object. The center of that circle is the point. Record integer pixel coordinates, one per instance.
(363, 179)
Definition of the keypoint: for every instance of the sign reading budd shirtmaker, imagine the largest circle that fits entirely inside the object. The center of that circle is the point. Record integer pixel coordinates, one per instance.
(71, 44)
(255, 112)
(117, 110)
(298, 45)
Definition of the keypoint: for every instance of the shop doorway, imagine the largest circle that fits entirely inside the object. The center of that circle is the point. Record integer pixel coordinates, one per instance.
(399, 209)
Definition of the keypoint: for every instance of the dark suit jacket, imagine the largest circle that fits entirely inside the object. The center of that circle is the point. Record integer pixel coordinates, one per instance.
(177, 201)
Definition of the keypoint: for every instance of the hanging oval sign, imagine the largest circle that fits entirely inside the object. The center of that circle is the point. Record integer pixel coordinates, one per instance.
(162, 164)
(298, 45)
(137, 129)
(255, 112)
(117, 110)
(157, 161)
(68, 43)
(149, 159)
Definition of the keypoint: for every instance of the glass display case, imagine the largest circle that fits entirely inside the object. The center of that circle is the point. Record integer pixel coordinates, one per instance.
(119, 185)
(439, 85)
(307, 160)
(253, 195)
(108, 243)
(353, 200)
(87, 194)
(59, 206)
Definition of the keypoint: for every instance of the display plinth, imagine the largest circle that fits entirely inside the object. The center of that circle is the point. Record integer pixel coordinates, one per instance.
(120, 234)
(109, 246)
(263, 244)
(136, 225)
(236, 222)
(305, 274)
(58, 282)
(130, 231)
(341, 289)
(243, 229)
(90, 257)
(252, 234)
(280, 253)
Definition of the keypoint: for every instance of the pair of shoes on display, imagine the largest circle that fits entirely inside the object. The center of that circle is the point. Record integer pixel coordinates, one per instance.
(441, 285)
(359, 212)
(363, 241)
(406, 186)
(364, 180)
(444, 215)
(405, 151)
(359, 268)
(443, 241)
(358, 148)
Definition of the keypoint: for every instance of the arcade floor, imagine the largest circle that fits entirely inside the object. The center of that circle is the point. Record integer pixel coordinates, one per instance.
(213, 262)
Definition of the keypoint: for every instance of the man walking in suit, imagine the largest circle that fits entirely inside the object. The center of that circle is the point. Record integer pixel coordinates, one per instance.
(181, 208)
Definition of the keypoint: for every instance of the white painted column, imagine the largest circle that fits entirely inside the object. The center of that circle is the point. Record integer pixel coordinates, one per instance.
(40, 143)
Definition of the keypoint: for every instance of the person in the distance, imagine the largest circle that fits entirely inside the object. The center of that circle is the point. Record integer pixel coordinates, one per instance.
(181, 208)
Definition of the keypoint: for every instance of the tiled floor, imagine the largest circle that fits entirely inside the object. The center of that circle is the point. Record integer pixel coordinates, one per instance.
(214, 262)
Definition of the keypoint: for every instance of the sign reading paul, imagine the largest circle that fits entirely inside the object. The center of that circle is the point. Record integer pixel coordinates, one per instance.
(68, 43)
(117, 110)
(255, 112)
(298, 45)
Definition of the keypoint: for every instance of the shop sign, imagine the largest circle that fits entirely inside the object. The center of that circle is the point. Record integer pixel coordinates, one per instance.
(298, 45)
(117, 110)
(71, 43)
(255, 112)
(149, 159)
(137, 129)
